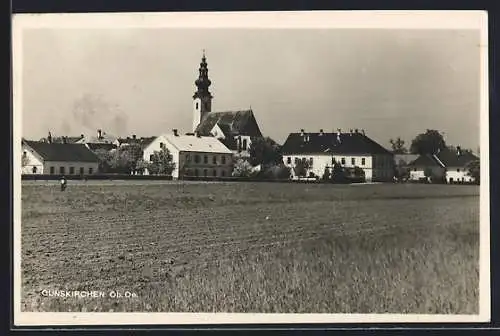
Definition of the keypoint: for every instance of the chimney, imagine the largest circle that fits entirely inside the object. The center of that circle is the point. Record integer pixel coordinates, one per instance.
(459, 151)
(350, 131)
(321, 132)
(302, 132)
(175, 132)
(82, 136)
(363, 131)
(356, 131)
(49, 138)
(134, 136)
(64, 140)
(99, 134)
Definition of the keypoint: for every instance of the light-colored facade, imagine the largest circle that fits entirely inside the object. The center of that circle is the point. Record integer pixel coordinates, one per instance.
(458, 174)
(35, 163)
(375, 167)
(194, 156)
(418, 173)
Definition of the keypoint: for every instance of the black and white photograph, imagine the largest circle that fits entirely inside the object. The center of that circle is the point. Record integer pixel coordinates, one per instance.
(251, 167)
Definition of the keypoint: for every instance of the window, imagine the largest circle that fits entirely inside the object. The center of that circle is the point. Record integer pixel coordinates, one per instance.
(363, 161)
(90, 170)
(288, 160)
(197, 159)
(223, 159)
(223, 173)
(196, 173)
(353, 161)
(61, 170)
(162, 145)
(151, 157)
(81, 171)
(215, 172)
(52, 170)
(71, 170)
(296, 160)
(214, 159)
(34, 170)
(333, 161)
(414, 169)
(205, 159)
(188, 158)
(343, 161)
(244, 144)
(205, 172)
(24, 153)
(311, 161)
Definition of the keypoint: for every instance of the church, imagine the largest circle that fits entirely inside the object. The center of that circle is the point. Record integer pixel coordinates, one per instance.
(235, 129)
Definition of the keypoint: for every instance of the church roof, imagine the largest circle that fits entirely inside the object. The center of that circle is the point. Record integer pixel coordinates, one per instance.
(240, 122)
(328, 144)
(62, 152)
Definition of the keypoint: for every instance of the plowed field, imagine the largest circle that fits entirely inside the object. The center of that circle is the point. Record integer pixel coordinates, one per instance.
(251, 247)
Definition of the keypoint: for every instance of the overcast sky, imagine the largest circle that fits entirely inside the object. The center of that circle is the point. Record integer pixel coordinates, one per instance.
(141, 81)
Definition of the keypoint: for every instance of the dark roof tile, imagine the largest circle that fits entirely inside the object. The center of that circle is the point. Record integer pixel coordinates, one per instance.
(350, 143)
(236, 122)
(62, 152)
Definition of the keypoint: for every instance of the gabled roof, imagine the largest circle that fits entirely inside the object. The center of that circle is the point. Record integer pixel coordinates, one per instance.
(406, 158)
(454, 159)
(142, 141)
(105, 146)
(62, 152)
(192, 143)
(233, 123)
(327, 143)
(424, 161)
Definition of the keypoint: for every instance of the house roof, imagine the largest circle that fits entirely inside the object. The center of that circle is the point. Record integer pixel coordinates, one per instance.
(241, 122)
(453, 159)
(192, 143)
(327, 143)
(142, 141)
(105, 146)
(62, 152)
(445, 158)
(423, 161)
(406, 158)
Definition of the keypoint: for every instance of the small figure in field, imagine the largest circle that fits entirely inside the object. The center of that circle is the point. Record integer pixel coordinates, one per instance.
(63, 183)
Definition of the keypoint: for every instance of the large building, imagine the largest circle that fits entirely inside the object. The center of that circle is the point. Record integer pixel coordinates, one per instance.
(234, 128)
(354, 149)
(193, 155)
(58, 159)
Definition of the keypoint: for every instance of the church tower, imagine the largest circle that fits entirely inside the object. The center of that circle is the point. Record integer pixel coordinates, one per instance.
(202, 98)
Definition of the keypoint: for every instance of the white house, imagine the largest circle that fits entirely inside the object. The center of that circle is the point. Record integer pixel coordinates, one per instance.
(57, 159)
(449, 163)
(193, 155)
(234, 128)
(354, 149)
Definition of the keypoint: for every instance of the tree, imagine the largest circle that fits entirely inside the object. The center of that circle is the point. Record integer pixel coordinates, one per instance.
(242, 168)
(140, 166)
(430, 142)
(301, 167)
(326, 174)
(474, 170)
(398, 146)
(338, 174)
(104, 158)
(401, 171)
(162, 163)
(124, 159)
(265, 151)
